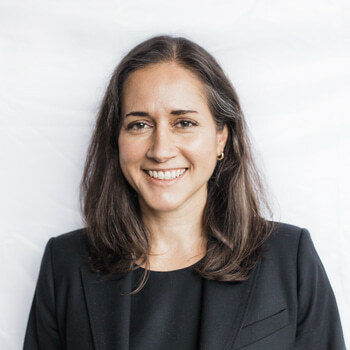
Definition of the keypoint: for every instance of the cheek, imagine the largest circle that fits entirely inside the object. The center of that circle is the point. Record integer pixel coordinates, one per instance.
(129, 153)
(202, 151)
(129, 159)
(204, 146)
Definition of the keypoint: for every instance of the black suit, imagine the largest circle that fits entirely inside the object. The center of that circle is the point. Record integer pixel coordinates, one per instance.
(287, 303)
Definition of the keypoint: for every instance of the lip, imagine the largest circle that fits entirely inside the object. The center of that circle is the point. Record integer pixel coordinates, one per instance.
(169, 169)
(159, 182)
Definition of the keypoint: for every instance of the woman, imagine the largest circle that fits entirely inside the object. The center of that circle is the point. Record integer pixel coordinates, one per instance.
(176, 253)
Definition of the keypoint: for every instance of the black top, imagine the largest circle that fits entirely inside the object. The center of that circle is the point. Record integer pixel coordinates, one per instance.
(165, 313)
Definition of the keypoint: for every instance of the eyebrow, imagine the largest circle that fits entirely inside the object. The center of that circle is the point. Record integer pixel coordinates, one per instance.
(174, 112)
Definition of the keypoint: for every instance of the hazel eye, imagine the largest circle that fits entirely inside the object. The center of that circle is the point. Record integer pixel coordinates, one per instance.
(132, 126)
(186, 122)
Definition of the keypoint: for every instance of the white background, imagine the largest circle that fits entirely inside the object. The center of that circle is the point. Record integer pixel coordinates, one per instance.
(289, 61)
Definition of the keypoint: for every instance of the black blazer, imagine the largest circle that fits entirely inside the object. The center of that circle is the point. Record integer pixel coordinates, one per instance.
(287, 303)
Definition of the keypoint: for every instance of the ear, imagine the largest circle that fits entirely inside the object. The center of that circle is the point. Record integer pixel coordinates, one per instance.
(221, 139)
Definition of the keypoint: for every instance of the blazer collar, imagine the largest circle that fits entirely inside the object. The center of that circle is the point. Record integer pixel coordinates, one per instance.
(224, 306)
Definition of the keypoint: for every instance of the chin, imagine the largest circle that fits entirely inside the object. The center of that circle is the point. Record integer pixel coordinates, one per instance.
(165, 207)
(161, 205)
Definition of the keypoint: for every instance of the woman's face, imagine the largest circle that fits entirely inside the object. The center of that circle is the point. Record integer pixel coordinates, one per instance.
(167, 125)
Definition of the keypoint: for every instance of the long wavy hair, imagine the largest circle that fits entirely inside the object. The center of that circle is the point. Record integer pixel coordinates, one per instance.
(236, 199)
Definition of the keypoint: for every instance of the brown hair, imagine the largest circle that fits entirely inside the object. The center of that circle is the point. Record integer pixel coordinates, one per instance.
(232, 217)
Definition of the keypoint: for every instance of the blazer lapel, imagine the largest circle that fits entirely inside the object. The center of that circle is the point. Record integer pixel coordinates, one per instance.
(109, 311)
(224, 307)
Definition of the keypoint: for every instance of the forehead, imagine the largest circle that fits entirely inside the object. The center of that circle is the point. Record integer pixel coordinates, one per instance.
(166, 82)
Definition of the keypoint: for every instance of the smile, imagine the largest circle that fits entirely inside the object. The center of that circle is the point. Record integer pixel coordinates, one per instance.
(166, 177)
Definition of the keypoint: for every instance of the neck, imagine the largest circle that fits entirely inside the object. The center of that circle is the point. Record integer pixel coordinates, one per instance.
(176, 233)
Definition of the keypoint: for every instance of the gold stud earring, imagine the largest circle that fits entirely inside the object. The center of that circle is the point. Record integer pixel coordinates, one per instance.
(221, 156)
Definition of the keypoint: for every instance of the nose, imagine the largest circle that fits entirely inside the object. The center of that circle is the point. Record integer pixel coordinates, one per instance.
(162, 145)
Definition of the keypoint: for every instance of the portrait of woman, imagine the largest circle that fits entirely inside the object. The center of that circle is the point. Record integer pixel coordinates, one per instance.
(177, 252)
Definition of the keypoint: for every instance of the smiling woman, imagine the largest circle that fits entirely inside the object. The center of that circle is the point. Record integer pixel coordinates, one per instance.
(164, 93)
(176, 253)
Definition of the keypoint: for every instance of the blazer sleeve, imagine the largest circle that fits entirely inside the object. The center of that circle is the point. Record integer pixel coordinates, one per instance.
(319, 325)
(42, 329)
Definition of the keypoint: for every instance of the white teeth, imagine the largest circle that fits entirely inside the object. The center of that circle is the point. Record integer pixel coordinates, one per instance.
(168, 175)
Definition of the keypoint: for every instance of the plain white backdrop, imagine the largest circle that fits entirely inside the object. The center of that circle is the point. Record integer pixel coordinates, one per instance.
(288, 60)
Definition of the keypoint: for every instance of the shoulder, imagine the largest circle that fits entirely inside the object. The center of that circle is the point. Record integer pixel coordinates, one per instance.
(290, 249)
(71, 239)
(284, 233)
(68, 248)
(287, 242)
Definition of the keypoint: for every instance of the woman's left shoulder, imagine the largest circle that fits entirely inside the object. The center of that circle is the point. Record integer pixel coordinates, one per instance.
(286, 240)
(284, 232)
